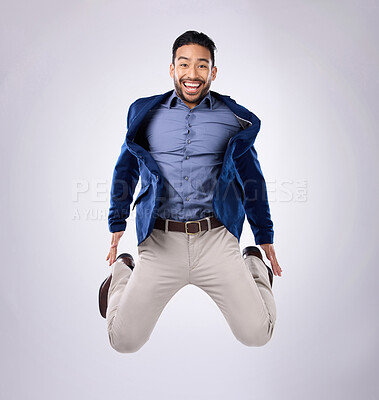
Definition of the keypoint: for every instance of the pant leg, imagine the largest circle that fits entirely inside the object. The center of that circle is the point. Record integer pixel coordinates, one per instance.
(136, 299)
(239, 287)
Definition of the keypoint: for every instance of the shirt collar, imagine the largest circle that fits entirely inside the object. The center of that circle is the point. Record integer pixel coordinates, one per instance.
(174, 98)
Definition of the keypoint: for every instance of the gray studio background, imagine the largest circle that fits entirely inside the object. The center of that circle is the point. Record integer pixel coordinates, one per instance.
(69, 71)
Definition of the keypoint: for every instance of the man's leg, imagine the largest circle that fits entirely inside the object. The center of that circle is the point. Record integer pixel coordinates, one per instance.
(136, 299)
(240, 287)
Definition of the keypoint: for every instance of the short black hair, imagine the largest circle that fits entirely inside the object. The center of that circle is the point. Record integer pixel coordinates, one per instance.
(194, 37)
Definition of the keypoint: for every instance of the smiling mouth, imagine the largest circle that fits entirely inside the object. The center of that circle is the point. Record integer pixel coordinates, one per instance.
(192, 87)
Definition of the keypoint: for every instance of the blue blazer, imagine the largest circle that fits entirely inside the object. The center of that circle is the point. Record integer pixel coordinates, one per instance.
(240, 189)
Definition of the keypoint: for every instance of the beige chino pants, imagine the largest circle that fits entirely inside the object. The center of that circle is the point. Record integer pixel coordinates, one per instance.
(168, 261)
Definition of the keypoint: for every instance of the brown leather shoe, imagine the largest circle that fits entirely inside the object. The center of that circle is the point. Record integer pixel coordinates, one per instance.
(104, 287)
(254, 251)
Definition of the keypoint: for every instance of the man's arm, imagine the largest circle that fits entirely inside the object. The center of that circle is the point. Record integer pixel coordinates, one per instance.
(124, 181)
(256, 204)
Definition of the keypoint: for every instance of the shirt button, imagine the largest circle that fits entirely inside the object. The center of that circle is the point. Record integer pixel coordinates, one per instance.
(186, 178)
(189, 141)
(187, 157)
(187, 199)
(188, 131)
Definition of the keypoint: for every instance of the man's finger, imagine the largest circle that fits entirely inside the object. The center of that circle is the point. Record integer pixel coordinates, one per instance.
(113, 252)
(274, 262)
(277, 268)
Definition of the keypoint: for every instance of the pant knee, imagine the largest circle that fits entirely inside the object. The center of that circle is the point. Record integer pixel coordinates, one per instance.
(123, 344)
(256, 341)
(257, 337)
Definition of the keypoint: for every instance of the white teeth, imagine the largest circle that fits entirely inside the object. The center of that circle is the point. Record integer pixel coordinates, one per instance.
(192, 84)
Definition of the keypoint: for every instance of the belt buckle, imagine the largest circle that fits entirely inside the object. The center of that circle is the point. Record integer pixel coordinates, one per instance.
(192, 222)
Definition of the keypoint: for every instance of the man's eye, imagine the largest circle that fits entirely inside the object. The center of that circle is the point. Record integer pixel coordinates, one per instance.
(202, 66)
(183, 65)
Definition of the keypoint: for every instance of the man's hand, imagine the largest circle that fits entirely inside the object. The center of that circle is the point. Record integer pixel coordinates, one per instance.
(270, 254)
(116, 236)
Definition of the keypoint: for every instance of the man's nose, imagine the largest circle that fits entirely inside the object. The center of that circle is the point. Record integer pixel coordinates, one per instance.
(192, 73)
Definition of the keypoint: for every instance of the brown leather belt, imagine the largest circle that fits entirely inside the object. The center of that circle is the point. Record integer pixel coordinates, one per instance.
(190, 227)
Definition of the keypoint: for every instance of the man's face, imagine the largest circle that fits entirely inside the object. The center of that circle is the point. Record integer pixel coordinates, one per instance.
(192, 73)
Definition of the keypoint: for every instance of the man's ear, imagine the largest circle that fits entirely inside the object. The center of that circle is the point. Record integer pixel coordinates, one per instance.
(172, 68)
(214, 73)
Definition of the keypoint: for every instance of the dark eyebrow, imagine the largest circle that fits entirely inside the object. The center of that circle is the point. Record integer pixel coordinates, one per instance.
(203, 59)
(199, 59)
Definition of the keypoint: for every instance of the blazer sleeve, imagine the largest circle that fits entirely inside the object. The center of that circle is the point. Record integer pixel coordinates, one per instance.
(124, 181)
(256, 202)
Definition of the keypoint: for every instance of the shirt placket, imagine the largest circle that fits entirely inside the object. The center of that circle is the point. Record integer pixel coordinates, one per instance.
(187, 192)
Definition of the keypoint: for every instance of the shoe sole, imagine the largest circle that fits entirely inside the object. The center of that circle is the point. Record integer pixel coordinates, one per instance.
(104, 287)
(103, 296)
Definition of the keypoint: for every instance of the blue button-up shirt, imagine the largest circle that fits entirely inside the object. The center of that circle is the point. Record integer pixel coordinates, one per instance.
(189, 145)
